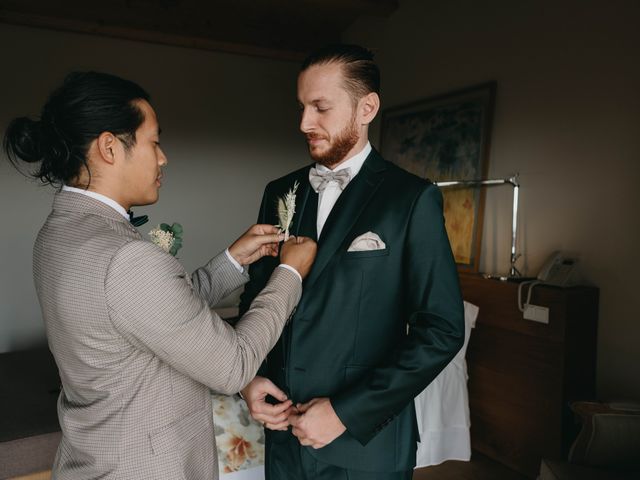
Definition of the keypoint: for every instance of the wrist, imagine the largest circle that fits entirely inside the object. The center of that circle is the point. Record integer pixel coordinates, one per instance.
(234, 260)
(292, 269)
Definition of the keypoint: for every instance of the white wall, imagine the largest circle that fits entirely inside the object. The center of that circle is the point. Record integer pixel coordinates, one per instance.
(229, 126)
(567, 119)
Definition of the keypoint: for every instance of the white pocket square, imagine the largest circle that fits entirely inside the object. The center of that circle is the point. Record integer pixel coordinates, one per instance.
(366, 242)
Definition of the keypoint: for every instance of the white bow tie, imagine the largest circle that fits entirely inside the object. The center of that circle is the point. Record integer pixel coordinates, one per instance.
(319, 179)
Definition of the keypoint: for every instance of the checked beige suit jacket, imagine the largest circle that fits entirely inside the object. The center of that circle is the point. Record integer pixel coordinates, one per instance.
(138, 347)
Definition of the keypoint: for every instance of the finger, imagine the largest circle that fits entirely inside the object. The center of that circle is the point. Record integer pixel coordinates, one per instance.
(292, 411)
(277, 426)
(275, 418)
(271, 418)
(266, 418)
(265, 228)
(260, 407)
(294, 420)
(269, 238)
(292, 239)
(303, 407)
(267, 387)
(271, 249)
(272, 410)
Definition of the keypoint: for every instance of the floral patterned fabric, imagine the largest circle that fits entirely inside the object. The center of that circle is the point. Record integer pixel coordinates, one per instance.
(239, 438)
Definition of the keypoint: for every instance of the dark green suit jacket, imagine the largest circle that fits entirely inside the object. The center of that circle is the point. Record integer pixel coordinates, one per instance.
(348, 339)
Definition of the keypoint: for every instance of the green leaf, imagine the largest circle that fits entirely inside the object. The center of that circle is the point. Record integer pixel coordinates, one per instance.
(176, 228)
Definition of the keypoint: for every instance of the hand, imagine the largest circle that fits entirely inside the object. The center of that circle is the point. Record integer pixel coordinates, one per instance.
(273, 417)
(255, 243)
(317, 423)
(299, 253)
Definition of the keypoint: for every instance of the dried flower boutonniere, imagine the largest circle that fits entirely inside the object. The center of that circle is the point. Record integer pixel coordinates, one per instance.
(286, 210)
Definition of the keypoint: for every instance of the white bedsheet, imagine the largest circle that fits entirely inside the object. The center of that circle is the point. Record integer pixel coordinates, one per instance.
(442, 409)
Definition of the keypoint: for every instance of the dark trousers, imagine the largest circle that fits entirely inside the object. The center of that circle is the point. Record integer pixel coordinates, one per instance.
(288, 460)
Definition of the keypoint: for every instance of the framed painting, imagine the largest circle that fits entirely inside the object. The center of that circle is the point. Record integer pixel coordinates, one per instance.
(445, 138)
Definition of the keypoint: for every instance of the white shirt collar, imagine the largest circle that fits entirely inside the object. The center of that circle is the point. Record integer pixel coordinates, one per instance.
(354, 163)
(98, 196)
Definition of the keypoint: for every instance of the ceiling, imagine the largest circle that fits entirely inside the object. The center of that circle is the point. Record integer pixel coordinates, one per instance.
(283, 29)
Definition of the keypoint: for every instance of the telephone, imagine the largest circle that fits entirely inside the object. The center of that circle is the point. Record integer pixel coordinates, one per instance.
(558, 270)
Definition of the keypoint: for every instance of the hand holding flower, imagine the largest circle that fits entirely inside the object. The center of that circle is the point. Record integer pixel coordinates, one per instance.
(255, 243)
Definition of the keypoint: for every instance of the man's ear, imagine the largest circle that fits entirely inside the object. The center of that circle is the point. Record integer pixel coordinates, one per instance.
(108, 146)
(369, 106)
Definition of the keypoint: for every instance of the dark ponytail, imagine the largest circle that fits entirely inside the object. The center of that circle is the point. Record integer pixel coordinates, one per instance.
(86, 105)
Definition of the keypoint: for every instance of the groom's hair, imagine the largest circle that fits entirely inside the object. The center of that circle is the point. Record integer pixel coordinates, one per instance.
(360, 72)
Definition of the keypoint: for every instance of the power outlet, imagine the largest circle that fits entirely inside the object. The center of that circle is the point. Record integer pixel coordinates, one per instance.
(536, 313)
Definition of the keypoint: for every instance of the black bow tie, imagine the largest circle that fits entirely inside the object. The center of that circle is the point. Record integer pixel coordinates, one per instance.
(137, 221)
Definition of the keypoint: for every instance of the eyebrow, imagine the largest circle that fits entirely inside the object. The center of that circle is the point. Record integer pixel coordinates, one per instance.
(317, 100)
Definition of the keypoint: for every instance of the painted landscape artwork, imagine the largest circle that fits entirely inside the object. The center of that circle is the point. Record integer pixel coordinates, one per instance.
(447, 138)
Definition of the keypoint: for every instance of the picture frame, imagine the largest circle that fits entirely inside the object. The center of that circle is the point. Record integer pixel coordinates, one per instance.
(443, 138)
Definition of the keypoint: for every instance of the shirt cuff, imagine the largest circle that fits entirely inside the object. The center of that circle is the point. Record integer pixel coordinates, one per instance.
(234, 261)
(289, 267)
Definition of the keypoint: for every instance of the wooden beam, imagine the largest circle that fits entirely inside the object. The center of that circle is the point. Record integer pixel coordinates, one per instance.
(157, 37)
(276, 29)
(363, 7)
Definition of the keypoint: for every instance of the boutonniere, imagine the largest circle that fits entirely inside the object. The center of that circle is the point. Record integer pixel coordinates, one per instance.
(286, 210)
(167, 237)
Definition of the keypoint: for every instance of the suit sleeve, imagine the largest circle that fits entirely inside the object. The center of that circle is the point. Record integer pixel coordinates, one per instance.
(436, 327)
(154, 306)
(213, 287)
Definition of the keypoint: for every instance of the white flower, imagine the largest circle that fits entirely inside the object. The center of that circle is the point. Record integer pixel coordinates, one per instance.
(286, 210)
(162, 239)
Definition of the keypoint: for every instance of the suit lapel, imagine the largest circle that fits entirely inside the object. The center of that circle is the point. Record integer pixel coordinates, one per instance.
(304, 221)
(346, 211)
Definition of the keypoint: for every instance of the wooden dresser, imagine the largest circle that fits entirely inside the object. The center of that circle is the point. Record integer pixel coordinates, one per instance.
(523, 374)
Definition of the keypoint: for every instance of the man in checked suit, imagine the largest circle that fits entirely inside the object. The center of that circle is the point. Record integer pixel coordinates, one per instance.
(132, 333)
(381, 313)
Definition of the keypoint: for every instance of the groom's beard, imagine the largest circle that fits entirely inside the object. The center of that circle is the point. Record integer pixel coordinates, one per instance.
(339, 148)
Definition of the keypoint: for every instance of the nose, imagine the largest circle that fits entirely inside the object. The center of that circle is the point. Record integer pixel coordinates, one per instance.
(307, 122)
(162, 159)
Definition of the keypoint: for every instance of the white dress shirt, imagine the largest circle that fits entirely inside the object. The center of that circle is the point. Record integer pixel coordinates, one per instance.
(98, 196)
(329, 196)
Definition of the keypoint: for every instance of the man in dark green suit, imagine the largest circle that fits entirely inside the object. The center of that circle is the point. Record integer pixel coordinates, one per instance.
(381, 313)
